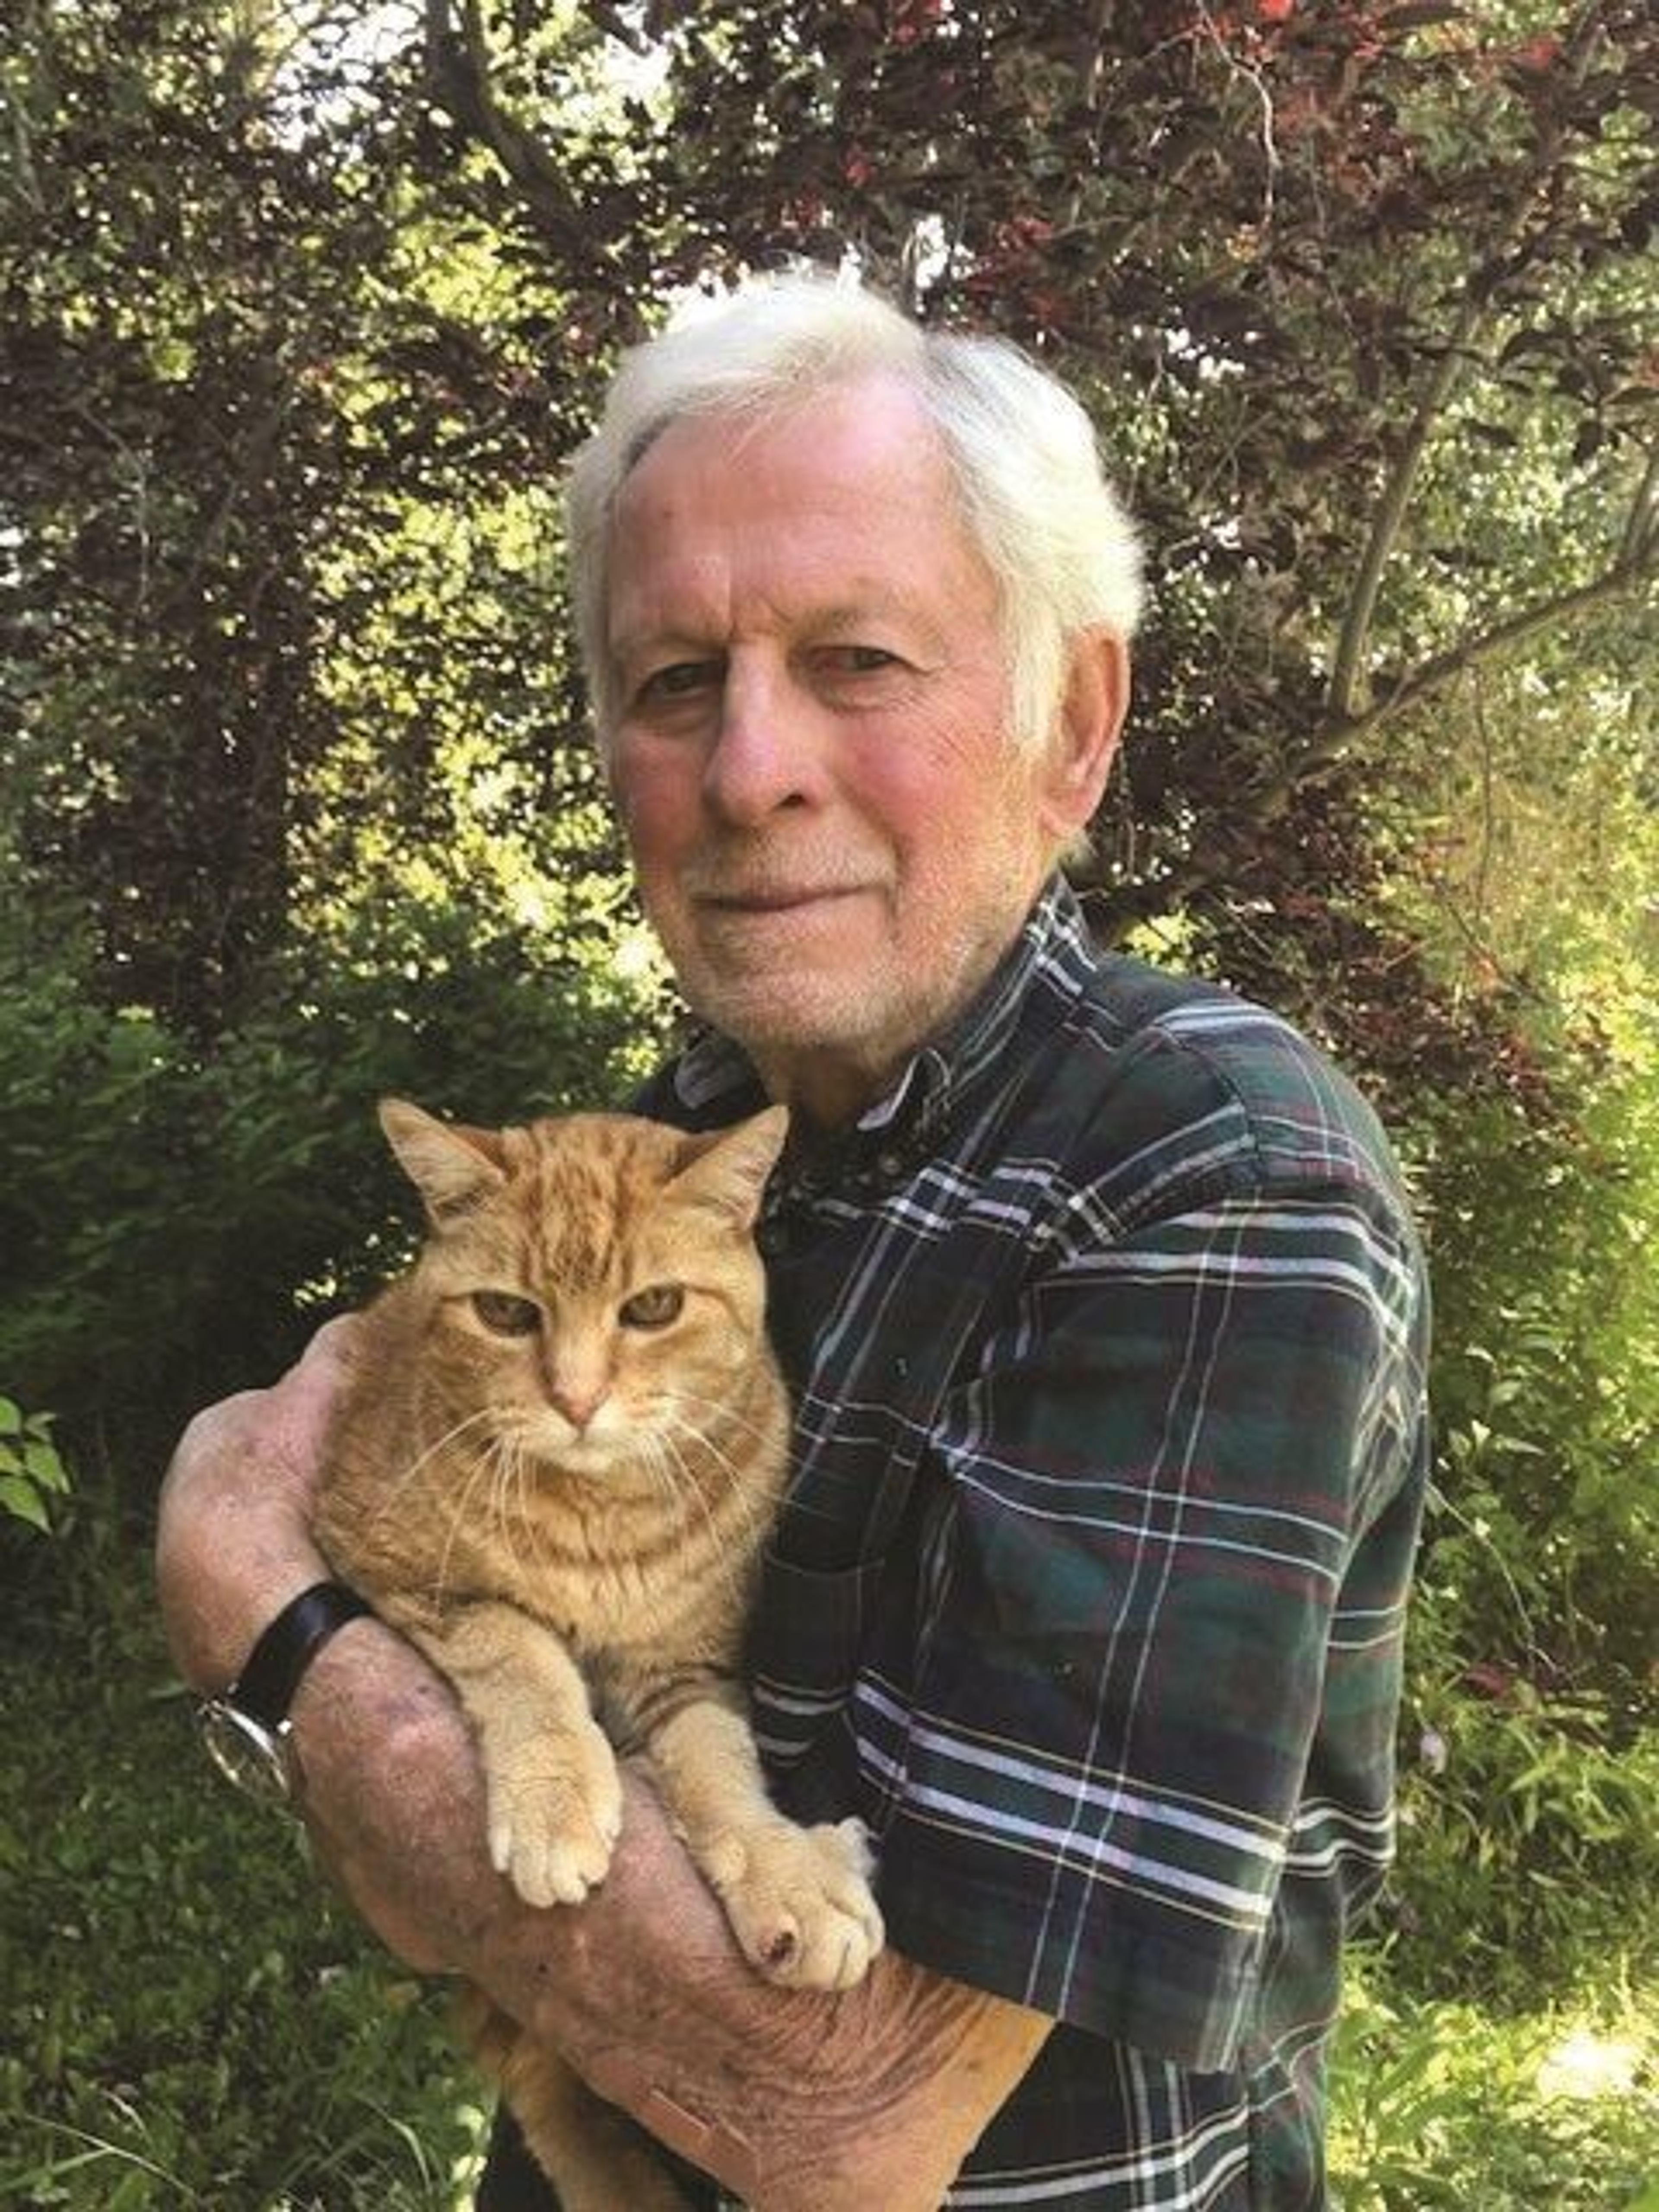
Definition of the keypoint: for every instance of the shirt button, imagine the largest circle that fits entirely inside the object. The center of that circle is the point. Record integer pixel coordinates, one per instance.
(890, 1164)
(772, 1240)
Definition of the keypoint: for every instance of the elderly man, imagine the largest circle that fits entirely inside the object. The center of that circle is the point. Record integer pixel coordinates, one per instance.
(1103, 1317)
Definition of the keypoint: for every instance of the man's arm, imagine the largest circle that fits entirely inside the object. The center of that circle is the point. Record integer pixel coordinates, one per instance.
(801, 2102)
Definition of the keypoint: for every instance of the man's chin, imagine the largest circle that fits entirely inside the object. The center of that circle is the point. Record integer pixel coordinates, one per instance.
(788, 1013)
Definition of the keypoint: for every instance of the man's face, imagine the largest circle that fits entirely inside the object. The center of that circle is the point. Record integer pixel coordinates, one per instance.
(836, 838)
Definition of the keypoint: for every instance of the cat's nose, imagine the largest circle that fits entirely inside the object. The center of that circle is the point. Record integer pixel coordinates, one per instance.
(578, 1404)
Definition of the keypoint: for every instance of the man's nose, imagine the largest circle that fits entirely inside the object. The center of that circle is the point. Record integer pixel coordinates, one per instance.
(764, 756)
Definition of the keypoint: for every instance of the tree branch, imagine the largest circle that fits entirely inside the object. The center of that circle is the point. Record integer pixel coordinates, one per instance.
(1252, 76)
(1640, 539)
(613, 22)
(1396, 497)
(459, 73)
(1266, 800)
(1339, 731)
(1480, 291)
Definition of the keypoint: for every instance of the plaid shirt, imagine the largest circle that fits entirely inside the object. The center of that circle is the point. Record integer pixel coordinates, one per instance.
(1107, 1333)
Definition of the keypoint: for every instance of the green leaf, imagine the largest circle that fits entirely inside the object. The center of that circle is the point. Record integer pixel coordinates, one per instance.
(41, 1460)
(11, 1416)
(22, 1501)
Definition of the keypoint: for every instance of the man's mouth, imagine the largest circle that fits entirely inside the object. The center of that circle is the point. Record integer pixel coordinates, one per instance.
(777, 899)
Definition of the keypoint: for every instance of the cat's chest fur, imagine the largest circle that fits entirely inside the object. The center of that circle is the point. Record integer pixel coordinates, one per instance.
(682, 1580)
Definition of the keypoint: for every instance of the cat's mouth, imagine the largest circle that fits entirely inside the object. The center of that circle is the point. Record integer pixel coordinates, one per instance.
(546, 1443)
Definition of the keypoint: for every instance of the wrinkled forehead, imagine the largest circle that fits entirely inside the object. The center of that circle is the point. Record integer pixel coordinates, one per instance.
(843, 506)
(859, 446)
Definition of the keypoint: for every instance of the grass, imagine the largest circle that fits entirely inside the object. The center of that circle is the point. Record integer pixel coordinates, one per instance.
(187, 2020)
(1442, 2104)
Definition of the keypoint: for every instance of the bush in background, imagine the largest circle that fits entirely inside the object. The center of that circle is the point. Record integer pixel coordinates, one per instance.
(32, 1475)
(176, 1220)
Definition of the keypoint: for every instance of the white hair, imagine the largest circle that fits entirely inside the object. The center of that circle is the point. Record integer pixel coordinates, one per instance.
(1020, 449)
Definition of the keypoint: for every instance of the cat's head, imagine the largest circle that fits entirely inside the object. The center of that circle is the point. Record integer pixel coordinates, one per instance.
(590, 1285)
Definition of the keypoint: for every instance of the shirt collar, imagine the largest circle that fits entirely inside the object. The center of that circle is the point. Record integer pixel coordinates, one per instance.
(924, 1095)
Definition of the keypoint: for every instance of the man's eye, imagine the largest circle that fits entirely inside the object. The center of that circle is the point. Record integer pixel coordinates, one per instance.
(682, 679)
(654, 1307)
(860, 659)
(505, 1314)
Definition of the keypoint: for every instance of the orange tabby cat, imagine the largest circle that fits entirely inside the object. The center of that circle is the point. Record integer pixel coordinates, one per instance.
(560, 1454)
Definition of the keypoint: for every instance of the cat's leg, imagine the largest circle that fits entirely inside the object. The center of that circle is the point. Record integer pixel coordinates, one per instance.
(798, 1898)
(555, 1799)
(598, 2158)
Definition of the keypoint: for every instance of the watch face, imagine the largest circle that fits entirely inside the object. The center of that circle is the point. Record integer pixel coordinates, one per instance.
(246, 1752)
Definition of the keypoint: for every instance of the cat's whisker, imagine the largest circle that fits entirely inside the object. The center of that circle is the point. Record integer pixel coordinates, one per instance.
(740, 1498)
(682, 1425)
(400, 1482)
(762, 1508)
(729, 1416)
(529, 1521)
(681, 1483)
(721, 1544)
(509, 1503)
(502, 1470)
(457, 1512)
(660, 1467)
(512, 1497)
(513, 1502)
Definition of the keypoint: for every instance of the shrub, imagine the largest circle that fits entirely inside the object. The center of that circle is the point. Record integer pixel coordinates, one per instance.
(178, 1220)
(31, 1472)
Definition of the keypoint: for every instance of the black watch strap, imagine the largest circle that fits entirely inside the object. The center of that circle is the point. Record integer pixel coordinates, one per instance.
(264, 1688)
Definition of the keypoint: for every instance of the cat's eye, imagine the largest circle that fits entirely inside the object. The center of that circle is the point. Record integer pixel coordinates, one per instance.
(506, 1314)
(654, 1307)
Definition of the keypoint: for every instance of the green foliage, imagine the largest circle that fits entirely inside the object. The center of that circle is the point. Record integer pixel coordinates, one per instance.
(1529, 1840)
(31, 1472)
(1547, 1380)
(185, 2018)
(1443, 2104)
(278, 432)
(1530, 1796)
(300, 328)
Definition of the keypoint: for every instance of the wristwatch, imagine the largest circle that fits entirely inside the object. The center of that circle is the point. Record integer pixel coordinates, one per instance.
(246, 1728)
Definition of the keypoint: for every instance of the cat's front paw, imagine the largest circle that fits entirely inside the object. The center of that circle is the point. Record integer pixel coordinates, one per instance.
(800, 1902)
(554, 1813)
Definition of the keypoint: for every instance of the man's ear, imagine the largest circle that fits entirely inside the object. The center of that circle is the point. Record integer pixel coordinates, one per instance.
(1083, 743)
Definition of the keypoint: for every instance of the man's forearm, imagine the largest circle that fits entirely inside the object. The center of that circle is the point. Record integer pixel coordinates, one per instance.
(801, 2102)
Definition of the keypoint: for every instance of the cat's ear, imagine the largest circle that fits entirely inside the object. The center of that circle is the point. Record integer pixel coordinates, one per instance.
(453, 1168)
(728, 1171)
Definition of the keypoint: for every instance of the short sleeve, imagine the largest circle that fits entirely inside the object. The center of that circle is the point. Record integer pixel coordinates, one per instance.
(1153, 1521)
